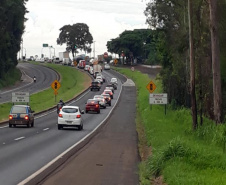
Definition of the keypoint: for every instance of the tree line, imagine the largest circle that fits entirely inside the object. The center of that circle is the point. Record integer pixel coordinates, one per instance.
(12, 20)
(191, 73)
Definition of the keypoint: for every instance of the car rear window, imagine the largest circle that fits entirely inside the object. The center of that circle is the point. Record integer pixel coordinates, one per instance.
(18, 109)
(70, 110)
(92, 101)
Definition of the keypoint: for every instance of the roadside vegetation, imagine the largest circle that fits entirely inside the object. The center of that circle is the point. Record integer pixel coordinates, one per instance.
(10, 78)
(168, 145)
(72, 83)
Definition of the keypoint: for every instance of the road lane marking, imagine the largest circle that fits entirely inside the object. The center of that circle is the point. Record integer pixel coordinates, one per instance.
(19, 138)
(4, 127)
(45, 129)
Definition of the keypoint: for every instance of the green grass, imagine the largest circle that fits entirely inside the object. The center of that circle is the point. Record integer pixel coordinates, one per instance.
(72, 83)
(182, 156)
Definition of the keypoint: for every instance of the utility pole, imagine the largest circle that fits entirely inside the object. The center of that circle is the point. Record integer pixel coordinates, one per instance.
(94, 49)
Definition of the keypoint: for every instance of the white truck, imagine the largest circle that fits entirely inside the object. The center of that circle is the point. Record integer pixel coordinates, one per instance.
(97, 68)
(63, 55)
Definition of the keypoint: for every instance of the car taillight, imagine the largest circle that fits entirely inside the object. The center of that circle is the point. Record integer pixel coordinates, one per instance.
(109, 98)
(78, 116)
(26, 117)
(60, 115)
(97, 106)
(10, 117)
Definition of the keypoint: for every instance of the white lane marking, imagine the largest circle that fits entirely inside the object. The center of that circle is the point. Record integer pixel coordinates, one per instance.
(73, 146)
(45, 129)
(19, 138)
(4, 127)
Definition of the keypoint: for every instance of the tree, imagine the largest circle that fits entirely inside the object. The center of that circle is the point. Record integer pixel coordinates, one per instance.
(192, 67)
(76, 36)
(215, 61)
(12, 26)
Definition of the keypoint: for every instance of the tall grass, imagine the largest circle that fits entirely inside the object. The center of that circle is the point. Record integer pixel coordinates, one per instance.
(182, 156)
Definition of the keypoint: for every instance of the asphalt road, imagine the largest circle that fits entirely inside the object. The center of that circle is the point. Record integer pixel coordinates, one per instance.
(45, 76)
(26, 151)
(111, 157)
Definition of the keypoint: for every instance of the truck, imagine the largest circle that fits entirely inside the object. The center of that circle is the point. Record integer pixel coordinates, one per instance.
(97, 68)
(63, 55)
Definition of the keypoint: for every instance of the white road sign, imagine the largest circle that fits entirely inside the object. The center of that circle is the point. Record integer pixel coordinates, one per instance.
(158, 98)
(20, 97)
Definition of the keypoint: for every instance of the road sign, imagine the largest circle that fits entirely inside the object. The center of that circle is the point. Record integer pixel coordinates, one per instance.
(55, 85)
(20, 97)
(44, 45)
(151, 87)
(158, 98)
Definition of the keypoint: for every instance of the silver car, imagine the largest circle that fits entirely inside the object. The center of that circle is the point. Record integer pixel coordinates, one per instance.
(101, 100)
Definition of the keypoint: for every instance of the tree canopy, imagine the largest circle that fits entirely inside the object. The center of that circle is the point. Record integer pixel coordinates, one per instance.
(12, 26)
(76, 36)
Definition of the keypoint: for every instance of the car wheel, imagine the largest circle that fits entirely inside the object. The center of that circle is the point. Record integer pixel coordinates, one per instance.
(28, 125)
(98, 112)
(59, 127)
(80, 127)
(32, 124)
(86, 111)
(10, 125)
(109, 104)
(98, 89)
(91, 89)
(104, 107)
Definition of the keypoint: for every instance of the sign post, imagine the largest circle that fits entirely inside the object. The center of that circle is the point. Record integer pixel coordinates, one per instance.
(55, 86)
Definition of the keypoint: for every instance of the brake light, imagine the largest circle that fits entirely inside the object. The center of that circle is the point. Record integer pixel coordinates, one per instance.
(78, 116)
(10, 117)
(97, 106)
(26, 117)
(60, 115)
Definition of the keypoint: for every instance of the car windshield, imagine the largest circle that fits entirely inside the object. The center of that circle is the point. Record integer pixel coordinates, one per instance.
(17, 109)
(98, 97)
(70, 110)
(92, 101)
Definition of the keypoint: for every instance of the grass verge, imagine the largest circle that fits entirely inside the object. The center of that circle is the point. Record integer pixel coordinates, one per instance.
(72, 83)
(180, 155)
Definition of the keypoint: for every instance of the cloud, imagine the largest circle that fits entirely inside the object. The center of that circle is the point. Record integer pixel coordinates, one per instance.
(106, 20)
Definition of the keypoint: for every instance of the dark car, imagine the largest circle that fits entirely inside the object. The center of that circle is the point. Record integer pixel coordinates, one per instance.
(114, 85)
(21, 115)
(95, 85)
(107, 98)
(92, 105)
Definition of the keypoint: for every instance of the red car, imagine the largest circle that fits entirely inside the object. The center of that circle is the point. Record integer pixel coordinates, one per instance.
(92, 105)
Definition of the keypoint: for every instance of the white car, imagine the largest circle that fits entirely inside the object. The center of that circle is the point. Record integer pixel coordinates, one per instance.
(101, 100)
(70, 116)
(107, 67)
(86, 67)
(114, 80)
(91, 70)
(100, 79)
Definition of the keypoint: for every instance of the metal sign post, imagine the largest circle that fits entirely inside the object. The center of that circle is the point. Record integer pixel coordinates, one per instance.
(159, 99)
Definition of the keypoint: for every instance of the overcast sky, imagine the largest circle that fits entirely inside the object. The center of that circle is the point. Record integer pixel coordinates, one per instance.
(106, 20)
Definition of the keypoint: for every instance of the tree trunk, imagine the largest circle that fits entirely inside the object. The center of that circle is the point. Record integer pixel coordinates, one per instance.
(192, 67)
(217, 94)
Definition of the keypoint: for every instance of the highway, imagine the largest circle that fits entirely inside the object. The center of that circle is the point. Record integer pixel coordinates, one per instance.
(45, 76)
(24, 151)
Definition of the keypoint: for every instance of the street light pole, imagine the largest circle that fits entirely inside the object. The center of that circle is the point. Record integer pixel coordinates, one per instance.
(94, 49)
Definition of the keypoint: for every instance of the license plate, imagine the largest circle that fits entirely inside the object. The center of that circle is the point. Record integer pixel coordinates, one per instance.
(91, 109)
(69, 121)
